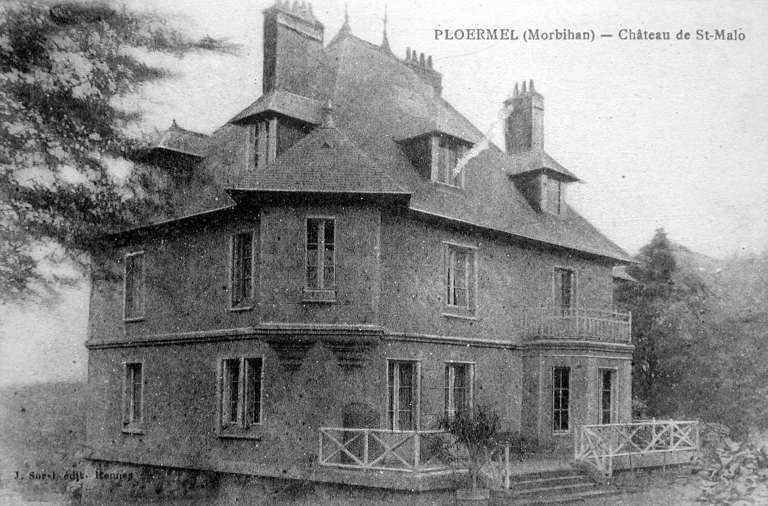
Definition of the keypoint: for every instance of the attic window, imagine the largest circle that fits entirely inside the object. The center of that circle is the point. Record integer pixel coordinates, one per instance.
(553, 201)
(448, 152)
(274, 136)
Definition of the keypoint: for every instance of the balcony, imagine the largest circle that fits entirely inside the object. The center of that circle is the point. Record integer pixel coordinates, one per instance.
(578, 324)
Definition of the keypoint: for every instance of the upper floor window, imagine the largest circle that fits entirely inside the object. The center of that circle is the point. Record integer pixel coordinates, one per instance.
(565, 288)
(449, 152)
(264, 142)
(458, 388)
(321, 259)
(133, 397)
(242, 270)
(402, 394)
(460, 279)
(134, 286)
(241, 390)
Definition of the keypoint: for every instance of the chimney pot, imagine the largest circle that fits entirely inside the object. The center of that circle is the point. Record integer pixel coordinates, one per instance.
(429, 61)
(524, 128)
(516, 92)
(524, 90)
(421, 60)
(531, 86)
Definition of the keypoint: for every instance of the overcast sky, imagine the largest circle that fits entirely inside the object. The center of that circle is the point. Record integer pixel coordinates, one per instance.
(670, 134)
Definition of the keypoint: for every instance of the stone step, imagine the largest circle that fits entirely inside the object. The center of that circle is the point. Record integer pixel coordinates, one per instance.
(551, 490)
(546, 482)
(547, 499)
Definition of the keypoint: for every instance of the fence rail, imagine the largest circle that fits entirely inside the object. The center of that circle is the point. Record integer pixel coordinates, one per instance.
(577, 323)
(380, 449)
(601, 444)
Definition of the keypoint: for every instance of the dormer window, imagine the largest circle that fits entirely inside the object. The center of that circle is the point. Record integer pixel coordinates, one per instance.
(435, 156)
(274, 136)
(449, 152)
(553, 201)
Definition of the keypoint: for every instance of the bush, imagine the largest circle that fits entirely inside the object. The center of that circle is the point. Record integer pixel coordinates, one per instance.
(735, 474)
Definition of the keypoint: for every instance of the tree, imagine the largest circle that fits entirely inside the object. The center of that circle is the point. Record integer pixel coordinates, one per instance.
(63, 137)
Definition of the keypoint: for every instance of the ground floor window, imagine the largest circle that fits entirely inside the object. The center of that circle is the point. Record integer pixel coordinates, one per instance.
(241, 393)
(561, 399)
(402, 394)
(133, 396)
(458, 388)
(607, 408)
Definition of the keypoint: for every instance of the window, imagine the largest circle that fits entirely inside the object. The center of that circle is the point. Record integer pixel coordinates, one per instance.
(321, 260)
(264, 142)
(607, 396)
(449, 152)
(134, 286)
(458, 388)
(133, 396)
(565, 289)
(242, 270)
(561, 399)
(402, 394)
(460, 279)
(554, 195)
(241, 394)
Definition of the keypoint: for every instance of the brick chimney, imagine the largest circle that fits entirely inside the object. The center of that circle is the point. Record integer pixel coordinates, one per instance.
(293, 48)
(524, 129)
(423, 68)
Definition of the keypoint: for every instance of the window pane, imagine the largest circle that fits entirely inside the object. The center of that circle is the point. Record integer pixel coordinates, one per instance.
(312, 229)
(232, 390)
(328, 227)
(253, 390)
(135, 387)
(134, 285)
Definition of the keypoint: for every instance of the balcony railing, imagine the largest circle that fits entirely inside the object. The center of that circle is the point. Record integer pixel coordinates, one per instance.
(600, 445)
(381, 449)
(577, 323)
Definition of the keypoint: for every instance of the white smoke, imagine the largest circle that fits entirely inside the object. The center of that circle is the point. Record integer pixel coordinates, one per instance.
(485, 142)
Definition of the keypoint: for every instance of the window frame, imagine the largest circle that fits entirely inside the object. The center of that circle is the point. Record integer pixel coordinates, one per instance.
(140, 313)
(249, 302)
(263, 142)
(393, 402)
(441, 172)
(131, 423)
(555, 408)
(241, 427)
(320, 293)
(613, 408)
(471, 279)
(449, 398)
(554, 207)
(573, 291)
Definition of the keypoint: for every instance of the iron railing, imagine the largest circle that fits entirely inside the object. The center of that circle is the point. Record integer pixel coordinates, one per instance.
(599, 445)
(576, 323)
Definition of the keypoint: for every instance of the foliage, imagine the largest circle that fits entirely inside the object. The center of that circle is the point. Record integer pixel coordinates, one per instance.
(475, 429)
(63, 140)
(698, 326)
(736, 474)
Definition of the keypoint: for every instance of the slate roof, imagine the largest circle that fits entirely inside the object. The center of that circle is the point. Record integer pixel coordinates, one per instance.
(286, 103)
(183, 141)
(378, 100)
(325, 161)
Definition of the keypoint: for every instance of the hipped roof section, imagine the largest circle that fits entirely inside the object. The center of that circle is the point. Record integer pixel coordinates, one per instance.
(183, 141)
(378, 101)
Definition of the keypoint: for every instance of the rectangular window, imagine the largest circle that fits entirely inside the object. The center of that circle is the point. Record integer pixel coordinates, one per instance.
(402, 394)
(321, 258)
(241, 394)
(458, 388)
(133, 396)
(449, 152)
(565, 288)
(263, 145)
(242, 270)
(134, 286)
(460, 279)
(607, 396)
(561, 399)
(554, 197)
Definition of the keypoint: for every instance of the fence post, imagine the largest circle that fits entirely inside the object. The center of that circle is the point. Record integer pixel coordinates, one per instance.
(507, 469)
(416, 449)
(365, 447)
(320, 452)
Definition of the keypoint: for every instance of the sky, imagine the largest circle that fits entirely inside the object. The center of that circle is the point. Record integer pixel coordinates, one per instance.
(663, 133)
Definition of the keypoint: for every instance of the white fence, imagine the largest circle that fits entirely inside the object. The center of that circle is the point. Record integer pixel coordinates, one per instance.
(381, 449)
(601, 444)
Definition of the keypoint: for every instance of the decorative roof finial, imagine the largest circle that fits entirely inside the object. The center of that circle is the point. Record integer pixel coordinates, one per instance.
(385, 41)
(346, 13)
